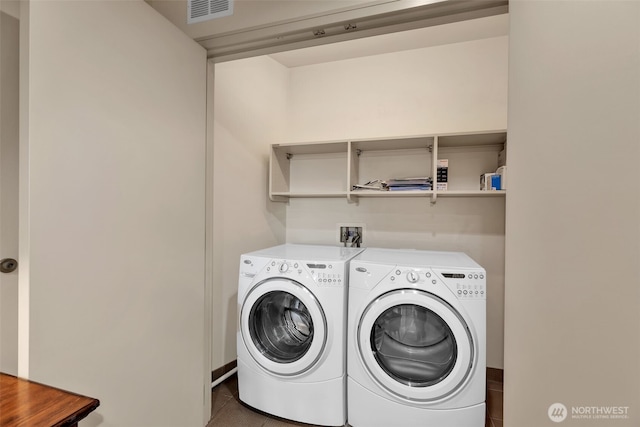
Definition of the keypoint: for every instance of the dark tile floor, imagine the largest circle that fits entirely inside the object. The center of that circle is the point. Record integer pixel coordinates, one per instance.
(228, 411)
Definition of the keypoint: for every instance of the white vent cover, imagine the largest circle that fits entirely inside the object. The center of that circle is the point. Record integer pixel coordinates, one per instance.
(203, 10)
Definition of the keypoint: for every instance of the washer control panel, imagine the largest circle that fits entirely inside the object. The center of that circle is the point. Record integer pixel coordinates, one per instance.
(323, 273)
(326, 274)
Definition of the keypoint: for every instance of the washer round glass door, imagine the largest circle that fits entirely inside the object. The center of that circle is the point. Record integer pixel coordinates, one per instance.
(283, 326)
(415, 345)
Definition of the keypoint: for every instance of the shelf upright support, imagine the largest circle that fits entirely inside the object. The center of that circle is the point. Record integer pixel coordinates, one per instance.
(434, 170)
(352, 171)
(279, 176)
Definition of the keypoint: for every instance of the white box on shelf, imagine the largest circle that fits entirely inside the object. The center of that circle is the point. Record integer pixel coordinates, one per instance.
(490, 181)
(442, 172)
(502, 171)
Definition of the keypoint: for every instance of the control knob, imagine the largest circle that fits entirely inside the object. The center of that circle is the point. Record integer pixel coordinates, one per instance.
(284, 267)
(412, 277)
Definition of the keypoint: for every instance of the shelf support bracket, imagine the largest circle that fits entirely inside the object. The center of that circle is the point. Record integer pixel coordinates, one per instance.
(289, 156)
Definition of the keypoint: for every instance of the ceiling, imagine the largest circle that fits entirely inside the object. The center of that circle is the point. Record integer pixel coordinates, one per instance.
(474, 29)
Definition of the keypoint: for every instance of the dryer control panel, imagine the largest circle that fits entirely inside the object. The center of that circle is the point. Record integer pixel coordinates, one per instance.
(285, 267)
(466, 285)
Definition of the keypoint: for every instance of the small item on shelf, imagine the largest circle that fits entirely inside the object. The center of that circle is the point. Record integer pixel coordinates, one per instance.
(376, 184)
(442, 175)
(490, 181)
(502, 171)
(397, 184)
(408, 184)
(496, 182)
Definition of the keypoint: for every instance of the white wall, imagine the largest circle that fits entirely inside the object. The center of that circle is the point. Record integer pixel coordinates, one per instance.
(250, 110)
(572, 326)
(113, 231)
(451, 88)
(9, 43)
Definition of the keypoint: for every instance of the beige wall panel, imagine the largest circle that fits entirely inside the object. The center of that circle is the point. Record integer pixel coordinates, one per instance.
(573, 230)
(116, 154)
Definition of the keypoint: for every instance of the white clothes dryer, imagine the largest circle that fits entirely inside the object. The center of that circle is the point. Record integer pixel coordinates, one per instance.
(416, 339)
(291, 332)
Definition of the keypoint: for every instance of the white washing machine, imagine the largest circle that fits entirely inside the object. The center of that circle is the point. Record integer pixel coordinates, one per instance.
(416, 340)
(291, 332)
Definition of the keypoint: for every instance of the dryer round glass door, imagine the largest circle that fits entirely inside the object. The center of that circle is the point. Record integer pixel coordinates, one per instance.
(280, 326)
(415, 345)
(283, 326)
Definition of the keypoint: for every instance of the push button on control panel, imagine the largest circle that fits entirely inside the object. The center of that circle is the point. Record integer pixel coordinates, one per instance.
(470, 285)
(328, 278)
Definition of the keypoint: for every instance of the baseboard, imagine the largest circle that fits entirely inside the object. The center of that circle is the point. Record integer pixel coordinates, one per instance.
(217, 373)
(495, 374)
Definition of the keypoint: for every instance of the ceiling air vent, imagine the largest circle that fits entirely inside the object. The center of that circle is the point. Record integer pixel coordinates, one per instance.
(203, 10)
